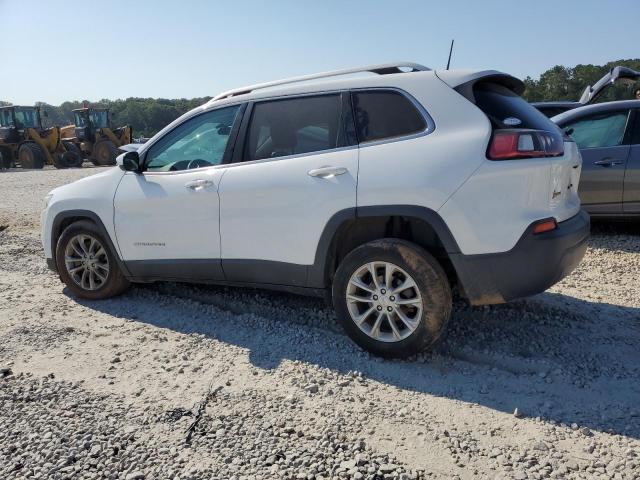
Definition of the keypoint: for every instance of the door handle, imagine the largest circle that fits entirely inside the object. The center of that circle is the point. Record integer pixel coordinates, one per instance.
(199, 184)
(327, 172)
(607, 162)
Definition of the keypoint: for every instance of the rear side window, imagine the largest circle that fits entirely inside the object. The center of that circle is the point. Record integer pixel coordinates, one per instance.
(294, 126)
(507, 109)
(605, 130)
(385, 114)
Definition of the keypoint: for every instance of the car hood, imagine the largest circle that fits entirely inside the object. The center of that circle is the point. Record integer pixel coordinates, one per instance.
(131, 147)
(108, 178)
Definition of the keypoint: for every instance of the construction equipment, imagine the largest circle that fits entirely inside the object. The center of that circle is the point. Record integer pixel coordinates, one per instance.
(93, 135)
(23, 139)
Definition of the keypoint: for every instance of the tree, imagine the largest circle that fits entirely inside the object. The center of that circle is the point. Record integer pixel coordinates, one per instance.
(568, 83)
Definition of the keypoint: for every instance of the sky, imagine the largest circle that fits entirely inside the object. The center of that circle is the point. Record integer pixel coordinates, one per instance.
(73, 50)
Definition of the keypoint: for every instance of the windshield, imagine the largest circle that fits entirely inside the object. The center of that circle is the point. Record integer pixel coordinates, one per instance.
(27, 117)
(6, 117)
(99, 118)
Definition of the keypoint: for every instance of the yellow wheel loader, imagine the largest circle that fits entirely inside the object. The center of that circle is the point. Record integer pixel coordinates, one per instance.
(93, 135)
(23, 140)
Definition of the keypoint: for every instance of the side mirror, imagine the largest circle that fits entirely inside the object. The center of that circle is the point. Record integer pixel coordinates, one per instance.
(129, 162)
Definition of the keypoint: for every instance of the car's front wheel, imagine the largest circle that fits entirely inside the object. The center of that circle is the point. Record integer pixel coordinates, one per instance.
(392, 297)
(86, 264)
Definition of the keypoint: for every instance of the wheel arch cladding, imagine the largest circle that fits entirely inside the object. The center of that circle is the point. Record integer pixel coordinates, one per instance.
(350, 228)
(65, 218)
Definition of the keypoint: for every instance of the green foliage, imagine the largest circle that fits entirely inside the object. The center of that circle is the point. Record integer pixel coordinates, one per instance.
(566, 83)
(146, 115)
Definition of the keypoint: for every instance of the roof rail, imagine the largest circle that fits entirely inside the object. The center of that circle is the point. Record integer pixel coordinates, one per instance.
(382, 69)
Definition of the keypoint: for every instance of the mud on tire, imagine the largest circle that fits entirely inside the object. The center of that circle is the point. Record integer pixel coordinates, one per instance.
(412, 318)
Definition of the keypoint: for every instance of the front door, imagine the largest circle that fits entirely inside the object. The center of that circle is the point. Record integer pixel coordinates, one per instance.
(167, 218)
(295, 170)
(601, 139)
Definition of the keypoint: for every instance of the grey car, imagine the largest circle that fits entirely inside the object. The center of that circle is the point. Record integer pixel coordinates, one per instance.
(608, 135)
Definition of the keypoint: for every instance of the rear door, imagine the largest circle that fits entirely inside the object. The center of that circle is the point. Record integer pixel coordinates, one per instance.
(294, 169)
(604, 147)
(631, 195)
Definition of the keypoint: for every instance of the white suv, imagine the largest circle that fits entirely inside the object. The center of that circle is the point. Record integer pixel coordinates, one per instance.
(380, 187)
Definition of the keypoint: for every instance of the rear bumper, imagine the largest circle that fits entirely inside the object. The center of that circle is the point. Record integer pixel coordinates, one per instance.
(533, 265)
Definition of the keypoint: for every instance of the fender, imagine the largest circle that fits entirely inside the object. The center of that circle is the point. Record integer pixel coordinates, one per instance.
(56, 231)
(317, 273)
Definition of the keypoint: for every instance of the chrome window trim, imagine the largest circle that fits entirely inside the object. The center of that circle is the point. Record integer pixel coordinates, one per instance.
(430, 124)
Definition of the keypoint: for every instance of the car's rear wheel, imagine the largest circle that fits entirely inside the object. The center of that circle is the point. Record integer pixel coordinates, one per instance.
(392, 297)
(86, 264)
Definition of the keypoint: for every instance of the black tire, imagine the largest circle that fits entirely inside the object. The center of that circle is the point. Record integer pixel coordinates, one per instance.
(434, 294)
(104, 153)
(6, 158)
(30, 155)
(59, 160)
(115, 282)
(73, 156)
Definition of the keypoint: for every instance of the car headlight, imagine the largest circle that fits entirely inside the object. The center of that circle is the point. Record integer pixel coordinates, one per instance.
(47, 199)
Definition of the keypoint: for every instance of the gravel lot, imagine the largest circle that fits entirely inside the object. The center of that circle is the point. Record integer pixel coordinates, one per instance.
(543, 388)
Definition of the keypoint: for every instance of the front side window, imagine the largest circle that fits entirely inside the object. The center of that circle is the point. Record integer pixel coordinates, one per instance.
(605, 130)
(385, 114)
(294, 126)
(199, 142)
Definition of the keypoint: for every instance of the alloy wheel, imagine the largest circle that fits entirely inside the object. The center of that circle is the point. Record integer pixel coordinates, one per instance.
(384, 301)
(87, 262)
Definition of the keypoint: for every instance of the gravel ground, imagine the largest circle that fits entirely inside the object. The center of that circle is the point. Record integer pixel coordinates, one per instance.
(176, 381)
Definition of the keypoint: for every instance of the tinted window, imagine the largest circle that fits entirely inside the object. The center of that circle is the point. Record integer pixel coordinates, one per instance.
(294, 126)
(552, 111)
(606, 130)
(500, 104)
(199, 142)
(385, 114)
(636, 131)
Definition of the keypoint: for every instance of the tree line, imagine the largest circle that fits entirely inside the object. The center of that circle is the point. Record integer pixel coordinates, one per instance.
(149, 115)
(568, 83)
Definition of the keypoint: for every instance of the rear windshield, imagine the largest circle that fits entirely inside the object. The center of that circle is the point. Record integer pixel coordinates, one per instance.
(507, 109)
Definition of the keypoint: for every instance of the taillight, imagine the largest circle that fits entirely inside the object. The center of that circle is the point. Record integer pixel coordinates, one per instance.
(509, 144)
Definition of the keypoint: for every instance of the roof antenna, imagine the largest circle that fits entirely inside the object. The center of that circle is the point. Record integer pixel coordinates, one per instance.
(450, 52)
